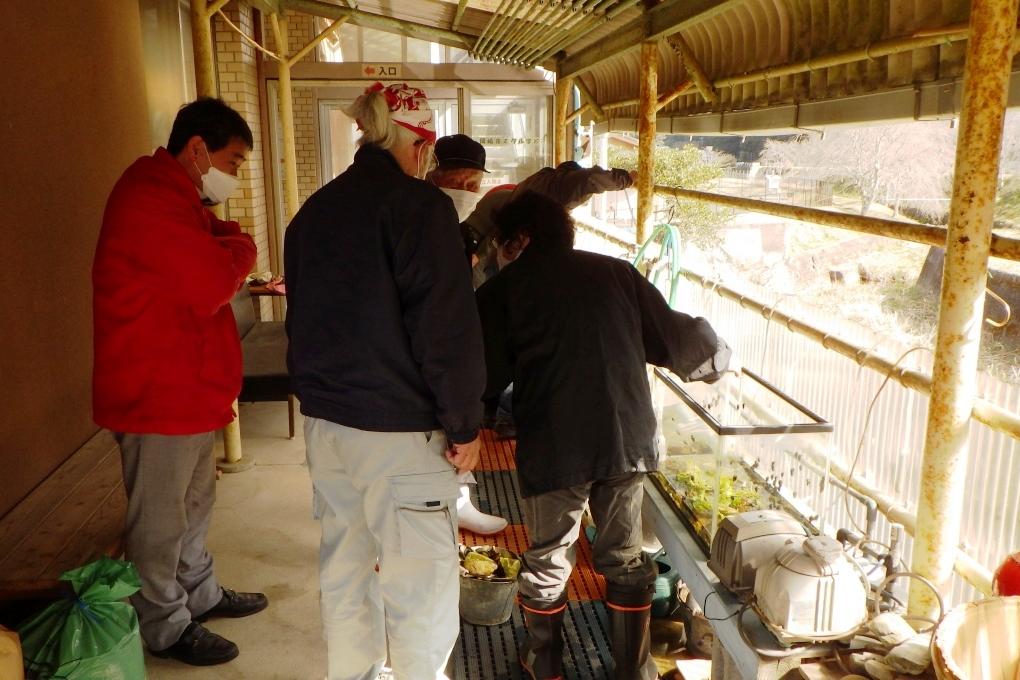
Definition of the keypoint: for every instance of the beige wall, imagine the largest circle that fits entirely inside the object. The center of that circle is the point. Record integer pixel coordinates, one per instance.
(306, 140)
(73, 115)
(301, 29)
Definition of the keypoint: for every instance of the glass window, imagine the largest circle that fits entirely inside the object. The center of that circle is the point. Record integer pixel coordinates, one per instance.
(514, 132)
(381, 46)
(418, 51)
(350, 44)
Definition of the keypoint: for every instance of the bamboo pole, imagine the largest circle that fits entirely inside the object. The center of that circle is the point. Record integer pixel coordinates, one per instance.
(582, 27)
(541, 25)
(648, 86)
(577, 112)
(577, 13)
(1001, 246)
(461, 6)
(201, 42)
(286, 95)
(561, 134)
(383, 23)
(681, 89)
(526, 22)
(586, 93)
(694, 68)
(206, 86)
(499, 18)
(515, 15)
(882, 48)
(622, 104)
(300, 54)
(954, 377)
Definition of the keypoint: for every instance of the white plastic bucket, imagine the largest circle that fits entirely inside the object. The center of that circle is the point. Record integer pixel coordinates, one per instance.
(979, 641)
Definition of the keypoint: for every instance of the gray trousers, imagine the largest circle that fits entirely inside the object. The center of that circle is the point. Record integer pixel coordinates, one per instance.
(553, 521)
(171, 486)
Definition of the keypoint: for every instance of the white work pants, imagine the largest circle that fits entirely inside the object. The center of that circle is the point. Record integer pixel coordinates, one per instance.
(386, 498)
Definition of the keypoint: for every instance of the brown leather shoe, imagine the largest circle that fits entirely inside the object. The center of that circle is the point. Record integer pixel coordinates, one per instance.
(234, 605)
(198, 646)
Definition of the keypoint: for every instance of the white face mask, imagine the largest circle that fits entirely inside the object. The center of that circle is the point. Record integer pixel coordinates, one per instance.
(217, 186)
(463, 201)
(424, 160)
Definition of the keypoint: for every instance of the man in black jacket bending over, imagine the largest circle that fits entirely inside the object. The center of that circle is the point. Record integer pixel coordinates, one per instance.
(573, 330)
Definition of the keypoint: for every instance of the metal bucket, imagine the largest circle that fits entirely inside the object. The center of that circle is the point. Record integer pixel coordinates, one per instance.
(487, 602)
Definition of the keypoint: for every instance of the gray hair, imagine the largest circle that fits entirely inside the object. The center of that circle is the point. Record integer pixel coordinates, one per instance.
(373, 116)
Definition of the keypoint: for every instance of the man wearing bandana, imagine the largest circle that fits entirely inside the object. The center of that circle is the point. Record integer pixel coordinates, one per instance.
(386, 357)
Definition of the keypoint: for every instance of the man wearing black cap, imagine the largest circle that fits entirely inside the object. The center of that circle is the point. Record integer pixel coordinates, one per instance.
(458, 174)
(460, 166)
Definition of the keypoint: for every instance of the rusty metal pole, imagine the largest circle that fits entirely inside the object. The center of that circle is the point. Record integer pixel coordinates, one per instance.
(954, 379)
(564, 92)
(648, 89)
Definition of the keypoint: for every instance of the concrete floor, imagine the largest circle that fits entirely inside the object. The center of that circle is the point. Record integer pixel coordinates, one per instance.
(263, 538)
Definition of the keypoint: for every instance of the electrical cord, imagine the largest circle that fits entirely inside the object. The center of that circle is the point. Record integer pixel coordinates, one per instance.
(704, 608)
(864, 431)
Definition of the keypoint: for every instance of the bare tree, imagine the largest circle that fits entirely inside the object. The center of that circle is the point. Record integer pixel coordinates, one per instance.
(907, 164)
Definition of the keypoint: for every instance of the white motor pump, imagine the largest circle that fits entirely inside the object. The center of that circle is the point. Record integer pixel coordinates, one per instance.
(811, 591)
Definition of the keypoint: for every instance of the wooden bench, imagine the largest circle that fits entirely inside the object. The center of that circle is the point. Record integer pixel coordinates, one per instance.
(72, 518)
(264, 356)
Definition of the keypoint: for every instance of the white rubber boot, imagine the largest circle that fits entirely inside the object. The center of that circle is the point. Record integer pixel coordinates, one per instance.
(474, 520)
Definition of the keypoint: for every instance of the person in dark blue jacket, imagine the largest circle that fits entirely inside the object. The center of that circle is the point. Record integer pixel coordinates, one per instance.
(386, 358)
(574, 332)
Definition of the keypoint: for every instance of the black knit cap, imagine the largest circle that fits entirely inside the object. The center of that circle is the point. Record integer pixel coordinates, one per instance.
(460, 151)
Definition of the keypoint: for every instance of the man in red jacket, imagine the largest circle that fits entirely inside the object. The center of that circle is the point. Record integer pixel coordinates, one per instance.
(168, 367)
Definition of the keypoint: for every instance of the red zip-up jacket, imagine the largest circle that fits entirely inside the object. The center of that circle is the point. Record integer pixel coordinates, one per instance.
(167, 355)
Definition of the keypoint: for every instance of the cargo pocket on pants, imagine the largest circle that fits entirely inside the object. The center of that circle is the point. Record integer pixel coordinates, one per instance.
(425, 521)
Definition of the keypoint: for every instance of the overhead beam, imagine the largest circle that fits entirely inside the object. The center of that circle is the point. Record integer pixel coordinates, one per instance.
(586, 94)
(574, 115)
(388, 24)
(694, 68)
(461, 6)
(662, 20)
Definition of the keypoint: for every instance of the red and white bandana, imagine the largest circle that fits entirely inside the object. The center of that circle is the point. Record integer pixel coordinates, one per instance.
(409, 108)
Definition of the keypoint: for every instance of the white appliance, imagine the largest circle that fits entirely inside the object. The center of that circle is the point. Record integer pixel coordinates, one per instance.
(810, 591)
(745, 541)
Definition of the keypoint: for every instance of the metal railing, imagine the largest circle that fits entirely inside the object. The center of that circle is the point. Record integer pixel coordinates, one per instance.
(839, 371)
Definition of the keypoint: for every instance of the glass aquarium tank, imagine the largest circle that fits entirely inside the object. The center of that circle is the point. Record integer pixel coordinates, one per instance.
(736, 445)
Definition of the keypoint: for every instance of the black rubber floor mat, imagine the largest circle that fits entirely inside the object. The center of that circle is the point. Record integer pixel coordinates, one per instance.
(490, 652)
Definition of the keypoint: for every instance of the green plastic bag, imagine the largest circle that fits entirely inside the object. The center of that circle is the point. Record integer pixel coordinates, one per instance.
(93, 636)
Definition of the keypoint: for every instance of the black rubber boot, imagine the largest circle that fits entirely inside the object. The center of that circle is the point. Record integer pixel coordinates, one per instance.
(630, 610)
(542, 653)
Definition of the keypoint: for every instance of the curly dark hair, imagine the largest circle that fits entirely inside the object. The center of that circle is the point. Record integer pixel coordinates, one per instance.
(544, 221)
